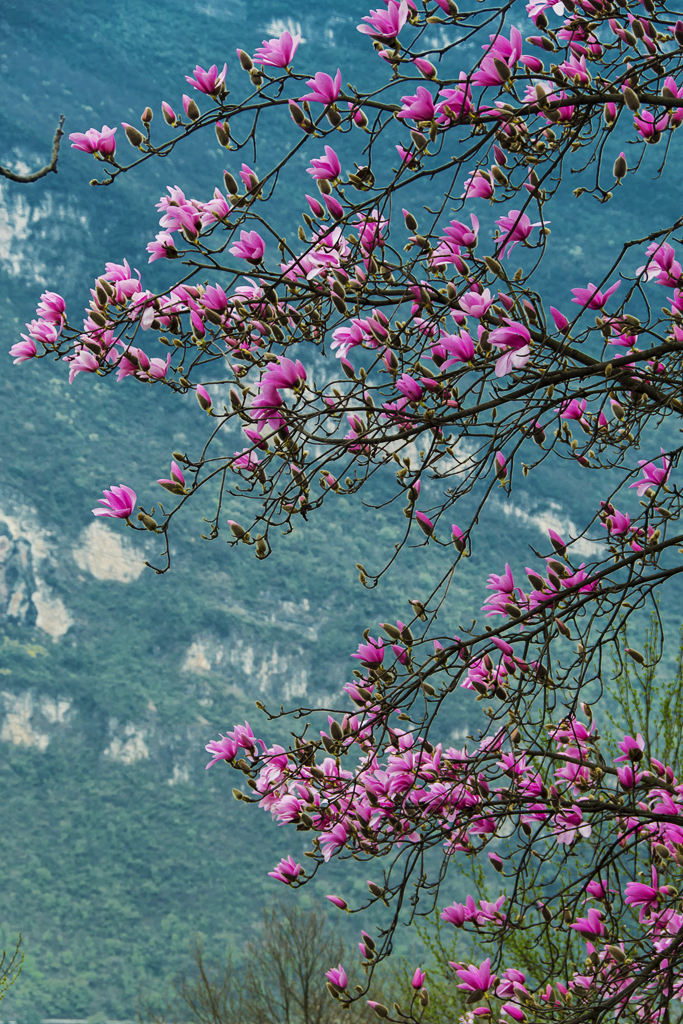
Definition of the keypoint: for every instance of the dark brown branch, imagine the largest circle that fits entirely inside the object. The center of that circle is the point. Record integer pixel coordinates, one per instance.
(47, 169)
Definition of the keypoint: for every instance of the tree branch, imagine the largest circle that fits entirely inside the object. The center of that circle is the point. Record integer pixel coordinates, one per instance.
(47, 169)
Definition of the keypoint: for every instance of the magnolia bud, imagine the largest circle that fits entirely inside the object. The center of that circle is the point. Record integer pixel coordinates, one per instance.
(134, 136)
(502, 68)
(147, 115)
(230, 184)
(192, 110)
(620, 167)
(296, 113)
(148, 522)
(223, 133)
(245, 60)
(169, 113)
(631, 99)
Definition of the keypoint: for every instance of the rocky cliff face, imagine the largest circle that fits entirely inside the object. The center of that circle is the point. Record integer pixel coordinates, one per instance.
(27, 561)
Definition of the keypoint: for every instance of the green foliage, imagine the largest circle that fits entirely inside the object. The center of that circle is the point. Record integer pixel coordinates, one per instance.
(649, 700)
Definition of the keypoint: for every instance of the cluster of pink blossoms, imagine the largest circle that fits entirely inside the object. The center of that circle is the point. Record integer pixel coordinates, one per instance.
(372, 784)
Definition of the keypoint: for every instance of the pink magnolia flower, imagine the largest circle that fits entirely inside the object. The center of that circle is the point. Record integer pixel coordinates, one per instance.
(405, 155)
(51, 308)
(560, 319)
(162, 248)
(324, 89)
(94, 141)
(513, 1010)
(476, 303)
(591, 297)
(325, 167)
(223, 749)
(82, 360)
(478, 186)
(463, 234)
(676, 93)
(277, 53)
(662, 265)
(535, 7)
(514, 227)
(23, 350)
(514, 339)
(386, 24)
(337, 901)
(409, 387)
(250, 247)
(638, 894)
(500, 53)
(573, 410)
(419, 107)
(332, 841)
(475, 979)
(454, 104)
(118, 503)
(370, 653)
(176, 482)
(591, 924)
(209, 81)
(653, 476)
(337, 976)
(632, 748)
(648, 126)
(286, 871)
(458, 913)
(418, 979)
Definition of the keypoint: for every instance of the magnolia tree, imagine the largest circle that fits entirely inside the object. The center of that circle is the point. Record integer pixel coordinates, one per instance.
(387, 331)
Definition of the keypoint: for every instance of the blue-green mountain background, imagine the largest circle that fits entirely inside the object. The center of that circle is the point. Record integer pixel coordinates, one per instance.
(117, 847)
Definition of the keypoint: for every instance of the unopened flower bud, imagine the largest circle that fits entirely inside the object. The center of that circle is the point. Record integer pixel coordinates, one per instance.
(223, 133)
(192, 110)
(236, 530)
(502, 68)
(620, 167)
(231, 185)
(148, 522)
(168, 112)
(245, 60)
(631, 99)
(204, 398)
(147, 115)
(134, 136)
(296, 113)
